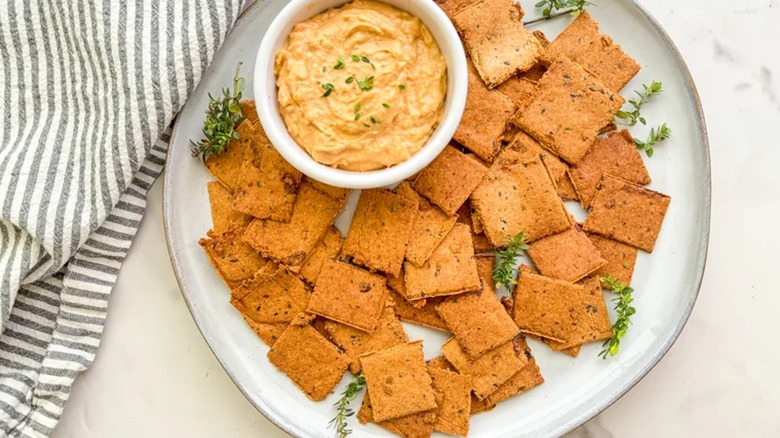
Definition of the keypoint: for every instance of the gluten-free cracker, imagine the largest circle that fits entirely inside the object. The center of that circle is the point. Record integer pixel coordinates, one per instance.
(223, 216)
(227, 165)
(568, 255)
(452, 7)
(271, 297)
(430, 226)
(449, 179)
(520, 90)
(545, 306)
(593, 322)
(620, 258)
(453, 395)
(481, 243)
(424, 315)
(485, 265)
(487, 372)
(566, 190)
(328, 248)
(234, 260)
(268, 332)
(440, 363)
(530, 376)
(419, 425)
(337, 193)
(266, 186)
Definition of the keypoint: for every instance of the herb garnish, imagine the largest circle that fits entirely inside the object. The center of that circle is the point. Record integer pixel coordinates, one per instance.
(355, 58)
(366, 84)
(401, 87)
(657, 135)
(648, 91)
(339, 64)
(328, 89)
(557, 8)
(375, 121)
(222, 117)
(343, 412)
(357, 112)
(624, 310)
(503, 273)
(386, 106)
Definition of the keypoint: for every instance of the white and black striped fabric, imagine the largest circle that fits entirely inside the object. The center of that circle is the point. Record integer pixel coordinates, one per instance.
(88, 89)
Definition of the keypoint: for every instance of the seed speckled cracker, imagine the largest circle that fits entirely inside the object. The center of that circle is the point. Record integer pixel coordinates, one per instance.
(487, 372)
(380, 230)
(568, 256)
(328, 248)
(290, 243)
(519, 195)
(440, 363)
(569, 110)
(545, 306)
(478, 406)
(519, 90)
(355, 342)
(223, 216)
(496, 40)
(269, 333)
(485, 265)
(315, 365)
(349, 295)
(593, 322)
(425, 315)
(480, 241)
(453, 395)
(430, 226)
(450, 270)
(449, 179)
(419, 425)
(582, 42)
(452, 7)
(626, 212)
(398, 381)
(478, 321)
(336, 193)
(566, 189)
(485, 117)
(620, 257)
(614, 154)
(528, 377)
(227, 165)
(271, 297)
(557, 169)
(234, 260)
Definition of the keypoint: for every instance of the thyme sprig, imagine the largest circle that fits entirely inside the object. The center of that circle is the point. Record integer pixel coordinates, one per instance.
(343, 411)
(504, 271)
(657, 135)
(632, 117)
(624, 311)
(223, 115)
(556, 8)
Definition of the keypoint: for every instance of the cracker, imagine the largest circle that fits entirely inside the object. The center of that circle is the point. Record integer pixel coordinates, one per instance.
(227, 165)
(593, 322)
(620, 257)
(439, 363)
(557, 169)
(269, 333)
(573, 351)
(223, 216)
(328, 248)
(271, 296)
(614, 154)
(430, 226)
(520, 90)
(425, 315)
(266, 186)
(485, 265)
(569, 109)
(398, 381)
(449, 179)
(419, 425)
(568, 256)
(478, 321)
(309, 360)
(337, 193)
(487, 372)
(530, 376)
(450, 270)
(496, 40)
(290, 243)
(453, 395)
(349, 295)
(249, 110)
(452, 7)
(355, 342)
(485, 117)
(480, 241)
(380, 230)
(582, 42)
(518, 195)
(566, 190)
(478, 406)
(626, 212)
(234, 260)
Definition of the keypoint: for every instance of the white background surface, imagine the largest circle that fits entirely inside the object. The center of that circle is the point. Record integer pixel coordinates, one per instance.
(156, 377)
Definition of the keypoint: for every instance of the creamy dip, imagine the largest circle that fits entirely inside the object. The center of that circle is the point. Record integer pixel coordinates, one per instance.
(362, 86)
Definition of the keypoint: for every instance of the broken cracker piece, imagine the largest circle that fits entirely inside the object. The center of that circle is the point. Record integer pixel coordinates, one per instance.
(620, 257)
(528, 377)
(266, 186)
(487, 372)
(593, 322)
(568, 256)
(453, 395)
(419, 425)
(430, 226)
(226, 166)
(449, 179)
(271, 297)
(424, 315)
(234, 260)
(268, 332)
(328, 248)
(223, 217)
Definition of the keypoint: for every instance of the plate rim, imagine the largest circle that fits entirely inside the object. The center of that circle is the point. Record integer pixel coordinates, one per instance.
(584, 416)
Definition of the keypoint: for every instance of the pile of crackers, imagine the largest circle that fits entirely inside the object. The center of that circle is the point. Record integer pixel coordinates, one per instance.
(538, 130)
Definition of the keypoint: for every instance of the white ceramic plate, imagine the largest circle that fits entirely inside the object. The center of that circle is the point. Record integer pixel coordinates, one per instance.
(575, 390)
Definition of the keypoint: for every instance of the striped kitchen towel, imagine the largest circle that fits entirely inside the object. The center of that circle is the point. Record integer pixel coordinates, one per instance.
(87, 92)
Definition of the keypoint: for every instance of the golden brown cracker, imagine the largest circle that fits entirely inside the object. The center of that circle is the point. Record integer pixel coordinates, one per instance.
(419, 425)
(349, 295)
(453, 395)
(520, 90)
(398, 381)
(227, 165)
(440, 363)
(271, 297)
(328, 248)
(337, 193)
(380, 230)
(266, 186)
(487, 372)
(452, 7)
(568, 256)
(249, 110)
(478, 406)
(593, 322)
(430, 226)
(566, 189)
(626, 212)
(620, 257)
(449, 179)
(269, 333)
(485, 265)
(425, 315)
(480, 241)
(569, 109)
(450, 270)
(530, 376)
(223, 217)
(234, 260)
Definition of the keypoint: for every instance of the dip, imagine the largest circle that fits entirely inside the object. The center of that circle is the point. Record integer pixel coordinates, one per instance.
(362, 86)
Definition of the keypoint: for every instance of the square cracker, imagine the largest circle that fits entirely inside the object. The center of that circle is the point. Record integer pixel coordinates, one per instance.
(450, 270)
(485, 117)
(355, 342)
(453, 395)
(328, 248)
(620, 257)
(425, 315)
(485, 265)
(398, 381)
(519, 195)
(430, 226)
(223, 217)
(520, 90)
(349, 295)
(419, 425)
(449, 179)
(626, 212)
(380, 230)
(290, 243)
(227, 165)
(568, 256)
(614, 154)
(496, 40)
(481, 243)
(487, 372)
(269, 333)
(528, 377)
(266, 185)
(569, 110)
(309, 360)
(271, 296)
(583, 43)
(478, 321)
(593, 322)
(234, 260)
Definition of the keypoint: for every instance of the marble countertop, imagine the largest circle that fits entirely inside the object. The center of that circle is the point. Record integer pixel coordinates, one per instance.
(155, 375)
